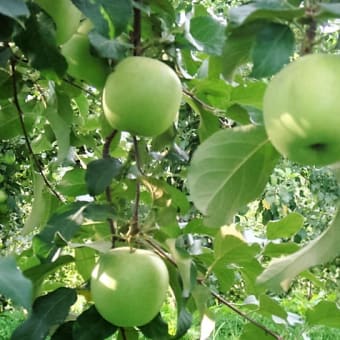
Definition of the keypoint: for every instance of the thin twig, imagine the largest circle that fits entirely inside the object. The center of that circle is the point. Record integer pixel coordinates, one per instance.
(136, 33)
(220, 298)
(24, 130)
(134, 229)
(204, 105)
(106, 154)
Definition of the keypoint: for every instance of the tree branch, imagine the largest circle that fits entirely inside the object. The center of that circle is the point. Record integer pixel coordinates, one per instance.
(106, 154)
(27, 140)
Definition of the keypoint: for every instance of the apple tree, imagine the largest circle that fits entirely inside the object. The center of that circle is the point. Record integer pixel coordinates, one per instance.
(135, 136)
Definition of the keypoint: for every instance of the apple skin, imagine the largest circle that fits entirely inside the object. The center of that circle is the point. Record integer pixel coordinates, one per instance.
(142, 96)
(82, 64)
(301, 110)
(65, 15)
(129, 287)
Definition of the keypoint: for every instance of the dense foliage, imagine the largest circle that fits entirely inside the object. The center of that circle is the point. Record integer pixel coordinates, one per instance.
(237, 224)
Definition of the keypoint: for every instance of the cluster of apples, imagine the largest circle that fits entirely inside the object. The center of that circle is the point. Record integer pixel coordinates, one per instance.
(142, 96)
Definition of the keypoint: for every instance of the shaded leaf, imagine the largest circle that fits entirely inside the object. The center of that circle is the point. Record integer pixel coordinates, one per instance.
(264, 9)
(208, 34)
(100, 173)
(228, 170)
(90, 325)
(286, 227)
(47, 311)
(251, 332)
(270, 307)
(110, 17)
(13, 284)
(40, 32)
(14, 8)
(156, 329)
(274, 44)
(279, 249)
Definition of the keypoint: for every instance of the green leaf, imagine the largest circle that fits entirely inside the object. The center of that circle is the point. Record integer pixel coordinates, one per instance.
(324, 248)
(237, 49)
(64, 331)
(48, 310)
(228, 170)
(156, 329)
(100, 173)
(286, 227)
(13, 284)
(251, 332)
(38, 273)
(108, 48)
(274, 44)
(264, 9)
(325, 313)
(73, 183)
(43, 204)
(208, 34)
(110, 17)
(14, 8)
(90, 325)
(9, 122)
(64, 224)
(85, 261)
(249, 94)
(270, 307)
(40, 32)
(279, 249)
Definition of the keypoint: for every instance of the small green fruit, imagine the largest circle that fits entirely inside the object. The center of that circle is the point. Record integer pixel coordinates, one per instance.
(301, 110)
(142, 96)
(82, 64)
(129, 287)
(65, 15)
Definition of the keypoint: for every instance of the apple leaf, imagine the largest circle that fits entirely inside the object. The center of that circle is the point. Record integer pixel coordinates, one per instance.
(43, 202)
(110, 17)
(324, 248)
(156, 329)
(73, 183)
(249, 93)
(264, 9)
(100, 173)
(274, 44)
(14, 9)
(47, 311)
(208, 34)
(269, 307)
(325, 313)
(286, 227)
(90, 325)
(237, 49)
(85, 261)
(13, 284)
(228, 170)
(40, 32)
(251, 332)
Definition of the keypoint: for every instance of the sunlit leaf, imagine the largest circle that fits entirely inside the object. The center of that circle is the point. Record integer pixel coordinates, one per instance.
(286, 227)
(325, 313)
(324, 248)
(228, 170)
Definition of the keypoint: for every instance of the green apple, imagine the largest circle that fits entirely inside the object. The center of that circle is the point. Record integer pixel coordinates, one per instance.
(301, 110)
(82, 64)
(128, 287)
(65, 15)
(142, 96)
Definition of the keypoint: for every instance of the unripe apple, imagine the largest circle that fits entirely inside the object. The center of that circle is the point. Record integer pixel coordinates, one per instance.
(82, 64)
(301, 110)
(128, 287)
(142, 96)
(65, 15)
